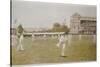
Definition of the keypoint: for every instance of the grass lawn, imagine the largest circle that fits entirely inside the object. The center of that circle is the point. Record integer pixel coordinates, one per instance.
(45, 51)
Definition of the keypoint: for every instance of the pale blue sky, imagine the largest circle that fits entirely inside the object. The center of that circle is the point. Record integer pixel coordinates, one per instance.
(39, 14)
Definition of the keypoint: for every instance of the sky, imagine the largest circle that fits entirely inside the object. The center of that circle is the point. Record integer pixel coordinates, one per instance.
(44, 15)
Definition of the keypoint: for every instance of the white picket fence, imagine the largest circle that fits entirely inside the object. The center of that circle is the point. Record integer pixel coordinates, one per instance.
(81, 37)
(70, 38)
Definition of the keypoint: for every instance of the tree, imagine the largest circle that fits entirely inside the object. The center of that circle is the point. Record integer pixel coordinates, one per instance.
(56, 27)
(65, 28)
(60, 28)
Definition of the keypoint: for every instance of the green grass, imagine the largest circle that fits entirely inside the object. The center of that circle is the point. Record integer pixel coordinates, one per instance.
(45, 51)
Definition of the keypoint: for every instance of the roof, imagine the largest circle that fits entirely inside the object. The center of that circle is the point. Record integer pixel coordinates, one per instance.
(76, 15)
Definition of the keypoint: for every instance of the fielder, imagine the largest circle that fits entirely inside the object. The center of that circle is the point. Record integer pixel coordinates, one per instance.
(62, 44)
(33, 37)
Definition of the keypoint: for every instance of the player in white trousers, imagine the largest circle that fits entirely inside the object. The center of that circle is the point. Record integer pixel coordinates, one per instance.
(33, 37)
(20, 43)
(62, 44)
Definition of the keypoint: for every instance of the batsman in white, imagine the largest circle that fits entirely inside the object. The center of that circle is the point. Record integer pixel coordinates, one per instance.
(62, 44)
